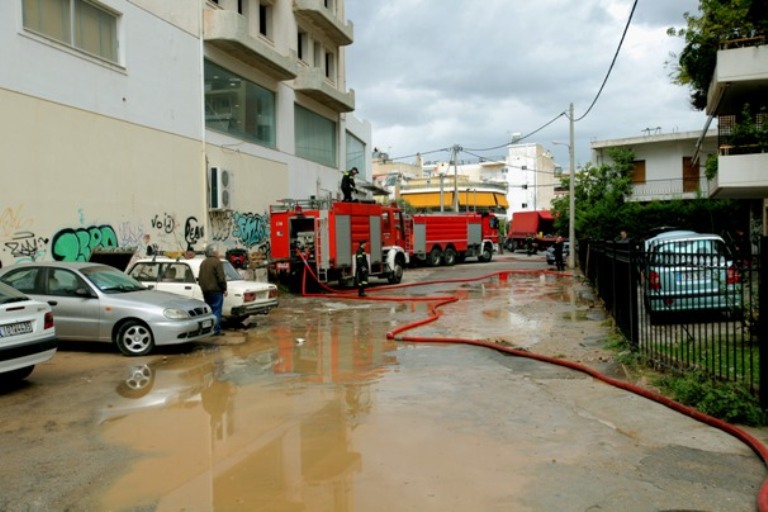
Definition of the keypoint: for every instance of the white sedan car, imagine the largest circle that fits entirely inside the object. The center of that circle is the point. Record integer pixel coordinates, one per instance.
(27, 334)
(179, 275)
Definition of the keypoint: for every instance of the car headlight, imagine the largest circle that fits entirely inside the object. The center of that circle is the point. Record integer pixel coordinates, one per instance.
(175, 314)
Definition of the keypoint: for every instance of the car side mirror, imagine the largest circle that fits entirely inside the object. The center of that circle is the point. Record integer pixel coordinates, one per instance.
(84, 292)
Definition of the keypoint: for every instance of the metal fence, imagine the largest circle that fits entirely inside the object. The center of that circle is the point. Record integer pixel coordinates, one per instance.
(685, 311)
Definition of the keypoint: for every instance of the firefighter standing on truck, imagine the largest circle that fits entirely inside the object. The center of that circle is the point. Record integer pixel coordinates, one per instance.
(361, 269)
(348, 184)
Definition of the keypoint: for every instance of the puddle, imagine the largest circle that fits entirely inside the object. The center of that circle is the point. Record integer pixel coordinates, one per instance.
(281, 418)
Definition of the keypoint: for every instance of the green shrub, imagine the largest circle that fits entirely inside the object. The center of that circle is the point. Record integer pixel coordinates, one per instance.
(728, 401)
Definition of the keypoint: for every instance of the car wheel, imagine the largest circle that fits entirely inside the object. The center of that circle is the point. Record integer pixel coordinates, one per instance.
(449, 257)
(435, 256)
(134, 339)
(17, 374)
(397, 274)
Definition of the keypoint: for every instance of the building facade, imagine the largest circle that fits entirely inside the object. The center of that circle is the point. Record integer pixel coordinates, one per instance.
(136, 123)
(666, 165)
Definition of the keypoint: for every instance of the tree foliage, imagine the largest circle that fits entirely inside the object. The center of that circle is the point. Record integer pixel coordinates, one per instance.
(716, 22)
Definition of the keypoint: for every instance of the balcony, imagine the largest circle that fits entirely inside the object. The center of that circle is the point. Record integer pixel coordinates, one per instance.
(741, 177)
(312, 83)
(315, 14)
(741, 76)
(228, 31)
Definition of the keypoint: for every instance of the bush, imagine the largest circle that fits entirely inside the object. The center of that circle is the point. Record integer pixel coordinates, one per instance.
(728, 401)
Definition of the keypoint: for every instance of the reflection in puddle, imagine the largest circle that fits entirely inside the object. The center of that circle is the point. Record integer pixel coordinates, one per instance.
(267, 424)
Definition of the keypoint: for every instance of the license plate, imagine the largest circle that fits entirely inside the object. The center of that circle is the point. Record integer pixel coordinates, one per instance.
(283, 266)
(207, 323)
(684, 277)
(15, 329)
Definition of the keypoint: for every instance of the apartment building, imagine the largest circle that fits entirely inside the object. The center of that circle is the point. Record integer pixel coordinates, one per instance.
(737, 98)
(136, 123)
(665, 163)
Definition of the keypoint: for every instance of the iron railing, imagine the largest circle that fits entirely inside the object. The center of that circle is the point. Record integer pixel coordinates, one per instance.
(688, 311)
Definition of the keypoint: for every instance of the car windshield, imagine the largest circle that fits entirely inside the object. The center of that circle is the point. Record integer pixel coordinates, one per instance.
(111, 280)
(9, 294)
(230, 272)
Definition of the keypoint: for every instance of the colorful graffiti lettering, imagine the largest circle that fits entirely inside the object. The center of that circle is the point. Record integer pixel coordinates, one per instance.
(78, 244)
(250, 228)
(193, 232)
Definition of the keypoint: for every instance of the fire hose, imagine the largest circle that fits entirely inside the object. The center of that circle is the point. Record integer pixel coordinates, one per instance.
(438, 301)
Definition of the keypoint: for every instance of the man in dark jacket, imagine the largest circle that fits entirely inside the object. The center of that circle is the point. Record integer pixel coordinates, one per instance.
(348, 184)
(213, 283)
(361, 269)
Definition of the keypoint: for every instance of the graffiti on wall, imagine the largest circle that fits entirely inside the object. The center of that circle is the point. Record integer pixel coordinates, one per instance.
(251, 229)
(19, 240)
(77, 244)
(27, 246)
(193, 232)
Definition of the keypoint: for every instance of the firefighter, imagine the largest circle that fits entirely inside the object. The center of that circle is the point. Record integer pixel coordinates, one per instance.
(348, 184)
(361, 269)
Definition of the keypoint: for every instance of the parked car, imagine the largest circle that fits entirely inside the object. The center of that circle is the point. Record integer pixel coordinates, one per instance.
(94, 302)
(27, 334)
(244, 297)
(551, 253)
(687, 271)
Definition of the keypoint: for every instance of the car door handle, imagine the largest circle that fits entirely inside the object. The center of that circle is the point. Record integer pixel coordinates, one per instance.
(53, 303)
(187, 287)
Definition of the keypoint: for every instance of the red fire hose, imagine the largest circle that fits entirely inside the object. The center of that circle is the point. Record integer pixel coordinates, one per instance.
(437, 301)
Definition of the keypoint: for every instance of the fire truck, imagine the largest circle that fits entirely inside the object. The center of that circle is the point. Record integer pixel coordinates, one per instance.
(323, 235)
(450, 238)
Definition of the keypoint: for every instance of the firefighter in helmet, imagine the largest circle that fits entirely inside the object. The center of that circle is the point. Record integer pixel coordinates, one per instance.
(348, 184)
(361, 269)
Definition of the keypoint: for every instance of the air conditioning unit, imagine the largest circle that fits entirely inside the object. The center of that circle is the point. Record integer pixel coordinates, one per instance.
(220, 181)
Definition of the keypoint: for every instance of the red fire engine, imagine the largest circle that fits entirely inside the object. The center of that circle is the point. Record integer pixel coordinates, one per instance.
(324, 235)
(450, 238)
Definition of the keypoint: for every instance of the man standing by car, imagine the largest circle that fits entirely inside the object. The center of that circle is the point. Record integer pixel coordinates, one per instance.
(213, 283)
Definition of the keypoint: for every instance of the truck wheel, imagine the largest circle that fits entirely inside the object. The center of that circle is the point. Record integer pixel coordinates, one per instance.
(449, 257)
(486, 254)
(435, 257)
(396, 275)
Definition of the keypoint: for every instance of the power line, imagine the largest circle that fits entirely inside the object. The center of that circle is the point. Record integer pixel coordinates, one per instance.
(518, 139)
(613, 62)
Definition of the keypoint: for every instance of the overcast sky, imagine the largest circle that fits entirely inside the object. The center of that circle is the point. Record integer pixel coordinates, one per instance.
(428, 74)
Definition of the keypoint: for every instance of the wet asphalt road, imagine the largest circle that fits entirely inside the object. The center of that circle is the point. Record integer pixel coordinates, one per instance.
(313, 408)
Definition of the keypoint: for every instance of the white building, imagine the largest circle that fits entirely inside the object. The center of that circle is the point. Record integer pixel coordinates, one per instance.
(664, 163)
(168, 123)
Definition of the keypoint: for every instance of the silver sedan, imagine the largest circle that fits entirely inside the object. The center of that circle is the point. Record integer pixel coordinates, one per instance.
(94, 302)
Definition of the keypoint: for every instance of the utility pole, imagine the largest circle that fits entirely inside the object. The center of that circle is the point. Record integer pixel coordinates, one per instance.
(455, 156)
(572, 195)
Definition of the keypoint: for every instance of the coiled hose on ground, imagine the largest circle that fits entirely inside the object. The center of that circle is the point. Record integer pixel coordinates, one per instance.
(438, 301)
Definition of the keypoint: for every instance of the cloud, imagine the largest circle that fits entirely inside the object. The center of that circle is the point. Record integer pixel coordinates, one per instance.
(432, 73)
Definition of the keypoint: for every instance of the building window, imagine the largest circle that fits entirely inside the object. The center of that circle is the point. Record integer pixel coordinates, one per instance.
(239, 107)
(638, 174)
(315, 137)
(355, 153)
(330, 66)
(303, 45)
(83, 25)
(265, 19)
